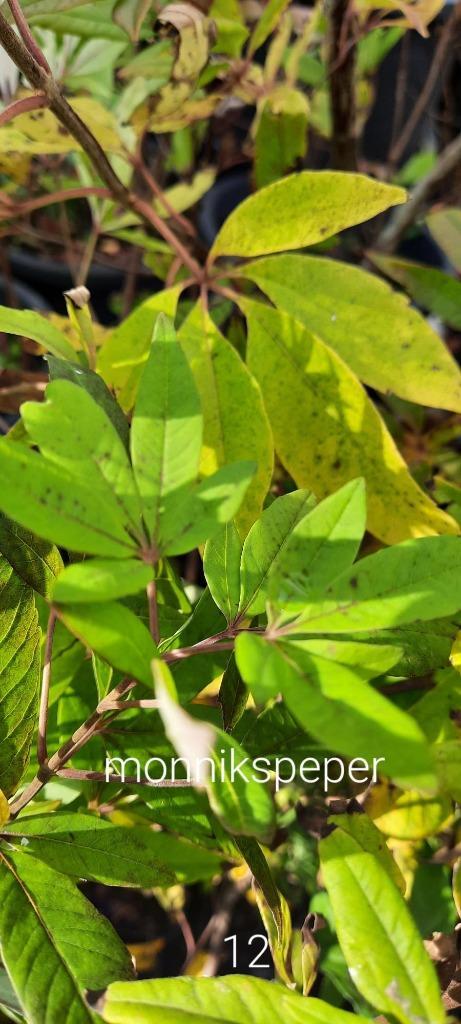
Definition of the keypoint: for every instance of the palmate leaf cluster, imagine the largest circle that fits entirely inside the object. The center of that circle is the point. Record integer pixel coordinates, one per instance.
(310, 637)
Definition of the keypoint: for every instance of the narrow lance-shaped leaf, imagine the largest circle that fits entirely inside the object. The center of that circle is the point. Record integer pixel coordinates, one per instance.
(54, 949)
(322, 544)
(35, 326)
(265, 545)
(302, 209)
(352, 310)
(309, 392)
(235, 422)
(221, 566)
(335, 705)
(379, 939)
(236, 999)
(114, 633)
(122, 358)
(166, 432)
(434, 290)
(194, 516)
(73, 431)
(397, 585)
(58, 507)
(217, 763)
(101, 580)
(19, 676)
(96, 387)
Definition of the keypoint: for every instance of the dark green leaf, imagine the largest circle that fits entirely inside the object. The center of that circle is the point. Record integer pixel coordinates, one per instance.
(37, 562)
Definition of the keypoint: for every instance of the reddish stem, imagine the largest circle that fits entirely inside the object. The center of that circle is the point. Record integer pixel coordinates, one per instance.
(26, 35)
(22, 107)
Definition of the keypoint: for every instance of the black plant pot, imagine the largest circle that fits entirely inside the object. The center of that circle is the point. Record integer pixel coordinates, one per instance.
(53, 277)
(26, 298)
(228, 191)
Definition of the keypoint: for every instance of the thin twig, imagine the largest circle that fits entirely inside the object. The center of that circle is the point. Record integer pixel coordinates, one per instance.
(26, 35)
(33, 69)
(424, 98)
(184, 223)
(129, 780)
(42, 752)
(22, 106)
(151, 590)
(405, 216)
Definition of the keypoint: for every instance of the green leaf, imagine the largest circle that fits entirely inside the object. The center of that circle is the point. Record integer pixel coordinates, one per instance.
(434, 290)
(122, 357)
(448, 762)
(28, 324)
(74, 432)
(352, 311)
(264, 547)
(445, 227)
(369, 838)
(233, 695)
(266, 24)
(19, 676)
(58, 507)
(334, 704)
(302, 209)
(236, 999)
(221, 566)
(368, 660)
(101, 580)
(235, 422)
(96, 387)
(379, 939)
(130, 14)
(166, 432)
(84, 846)
(242, 805)
(310, 393)
(37, 562)
(391, 587)
(54, 948)
(281, 134)
(192, 518)
(216, 763)
(115, 634)
(321, 546)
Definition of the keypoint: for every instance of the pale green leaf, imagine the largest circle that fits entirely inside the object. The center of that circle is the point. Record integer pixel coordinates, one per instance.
(221, 566)
(434, 290)
(74, 432)
(96, 387)
(264, 547)
(335, 705)
(310, 393)
(321, 546)
(302, 209)
(114, 633)
(445, 227)
(352, 311)
(101, 580)
(235, 422)
(379, 939)
(266, 24)
(394, 586)
(35, 326)
(231, 1000)
(58, 507)
(122, 356)
(166, 431)
(193, 517)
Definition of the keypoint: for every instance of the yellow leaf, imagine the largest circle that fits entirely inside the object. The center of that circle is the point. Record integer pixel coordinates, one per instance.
(4, 809)
(235, 422)
(126, 348)
(455, 655)
(38, 131)
(406, 816)
(327, 430)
